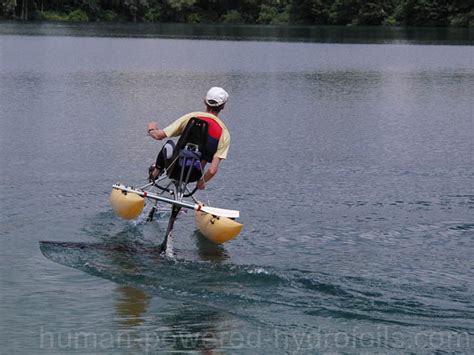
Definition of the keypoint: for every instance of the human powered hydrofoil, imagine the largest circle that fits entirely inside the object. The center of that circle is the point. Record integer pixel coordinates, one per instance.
(175, 186)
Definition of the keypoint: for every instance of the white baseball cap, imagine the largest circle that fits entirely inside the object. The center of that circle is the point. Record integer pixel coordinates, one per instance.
(216, 96)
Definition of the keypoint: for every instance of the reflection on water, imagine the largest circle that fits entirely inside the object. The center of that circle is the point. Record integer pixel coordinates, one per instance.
(321, 34)
(183, 328)
(193, 329)
(208, 251)
(131, 305)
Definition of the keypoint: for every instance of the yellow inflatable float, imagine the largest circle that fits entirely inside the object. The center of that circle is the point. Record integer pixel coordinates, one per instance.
(217, 229)
(126, 205)
(216, 224)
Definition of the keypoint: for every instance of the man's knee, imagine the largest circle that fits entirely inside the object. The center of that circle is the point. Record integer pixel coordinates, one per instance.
(165, 155)
(168, 149)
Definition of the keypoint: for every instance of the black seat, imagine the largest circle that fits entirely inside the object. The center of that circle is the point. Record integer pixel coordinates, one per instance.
(186, 162)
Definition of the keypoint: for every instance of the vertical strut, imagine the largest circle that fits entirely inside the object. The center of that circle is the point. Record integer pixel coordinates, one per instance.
(174, 213)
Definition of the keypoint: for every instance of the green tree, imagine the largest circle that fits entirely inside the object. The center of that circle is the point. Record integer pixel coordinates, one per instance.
(232, 16)
(274, 12)
(24, 10)
(371, 14)
(8, 8)
(152, 14)
(425, 12)
(77, 16)
(311, 12)
(343, 12)
(177, 10)
(180, 4)
(314, 12)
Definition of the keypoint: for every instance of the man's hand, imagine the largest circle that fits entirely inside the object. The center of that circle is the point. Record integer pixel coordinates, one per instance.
(201, 185)
(154, 132)
(209, 174)
(151, 126)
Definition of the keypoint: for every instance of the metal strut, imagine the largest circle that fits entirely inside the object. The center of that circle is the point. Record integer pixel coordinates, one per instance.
(174, 213)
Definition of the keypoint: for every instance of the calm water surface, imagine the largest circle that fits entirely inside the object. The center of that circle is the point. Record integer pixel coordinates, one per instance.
(352, 165)
(322, 34)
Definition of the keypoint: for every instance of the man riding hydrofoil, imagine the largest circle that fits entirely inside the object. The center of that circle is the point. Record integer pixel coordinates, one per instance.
(218, 137)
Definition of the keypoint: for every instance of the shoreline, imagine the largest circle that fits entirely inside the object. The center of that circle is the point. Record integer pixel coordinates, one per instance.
(272, 33)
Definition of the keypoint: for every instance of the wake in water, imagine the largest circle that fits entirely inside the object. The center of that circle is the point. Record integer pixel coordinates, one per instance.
(406, 292)
(255, 291)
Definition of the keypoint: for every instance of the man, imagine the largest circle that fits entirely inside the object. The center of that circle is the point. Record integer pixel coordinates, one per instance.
(218, 134)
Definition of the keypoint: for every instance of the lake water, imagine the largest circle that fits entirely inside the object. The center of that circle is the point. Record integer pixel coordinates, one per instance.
(352, 166)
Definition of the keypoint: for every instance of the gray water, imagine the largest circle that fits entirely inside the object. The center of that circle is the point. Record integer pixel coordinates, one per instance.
(351, 164)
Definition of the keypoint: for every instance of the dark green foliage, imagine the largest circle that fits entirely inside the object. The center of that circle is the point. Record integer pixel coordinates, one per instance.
(320, 11)
(390, 21)
(232, 16)
(53, 16)
(425, 12)
(343, 12)
(371, 14)
(109, 16)
(78, 16)
(275, 12)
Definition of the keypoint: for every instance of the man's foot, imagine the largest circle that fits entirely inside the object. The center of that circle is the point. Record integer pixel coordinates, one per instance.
(153, 173)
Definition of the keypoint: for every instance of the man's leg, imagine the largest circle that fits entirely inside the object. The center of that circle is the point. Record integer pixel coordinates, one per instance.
(162, 161)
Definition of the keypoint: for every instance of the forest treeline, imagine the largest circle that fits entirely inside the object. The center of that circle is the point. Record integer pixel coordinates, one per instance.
(275, 12)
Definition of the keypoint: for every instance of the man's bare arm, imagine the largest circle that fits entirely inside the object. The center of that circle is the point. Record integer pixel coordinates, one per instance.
(210, 173)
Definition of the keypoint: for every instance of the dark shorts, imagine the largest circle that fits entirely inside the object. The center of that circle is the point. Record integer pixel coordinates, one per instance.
(185, 160)
(165, 156)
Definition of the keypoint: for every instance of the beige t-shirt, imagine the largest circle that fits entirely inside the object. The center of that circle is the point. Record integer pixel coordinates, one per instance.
(177, 127)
